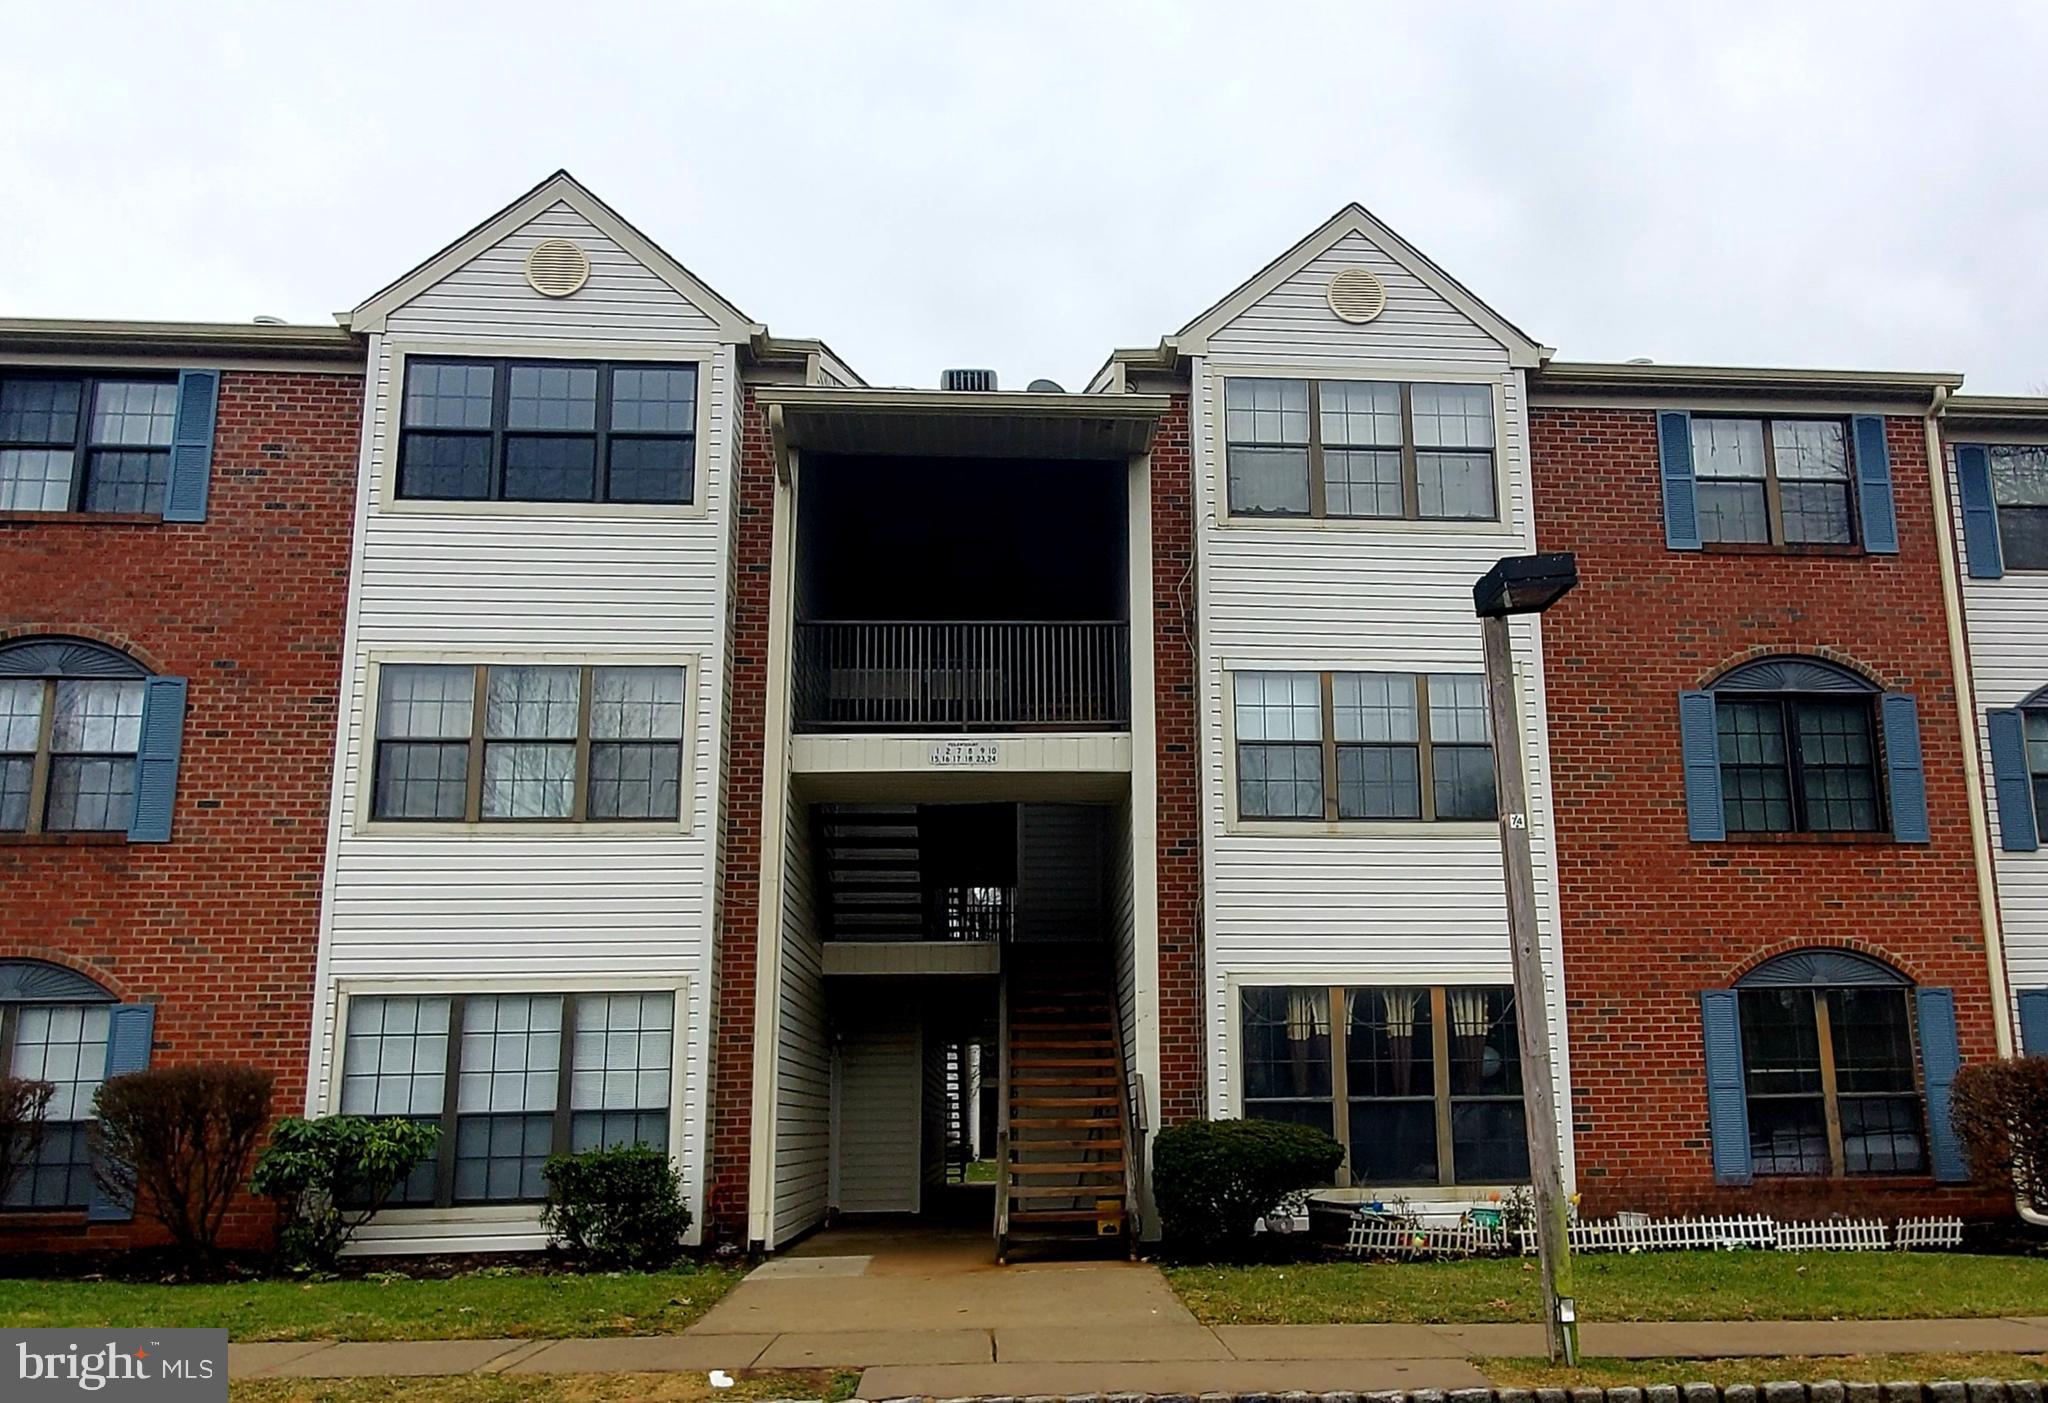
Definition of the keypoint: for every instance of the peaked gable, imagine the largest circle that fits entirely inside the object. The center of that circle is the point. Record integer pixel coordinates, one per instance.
(1418, 293)
(621, 258)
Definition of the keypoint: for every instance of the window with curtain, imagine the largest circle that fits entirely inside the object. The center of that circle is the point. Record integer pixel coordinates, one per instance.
(1376, 449)
(70, 727)
(1829, 1068)
(1363, 745)
(567, 744)
(1420, 1084)
(510, 1079)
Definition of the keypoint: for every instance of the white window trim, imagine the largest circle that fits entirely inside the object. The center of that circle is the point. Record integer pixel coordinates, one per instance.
(1436, 830)
(1218, 447)
(1233, 1031)
(389, 425)
(363, 824)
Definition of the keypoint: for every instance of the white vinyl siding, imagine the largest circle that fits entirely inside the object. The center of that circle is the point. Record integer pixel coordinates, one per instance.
(879, 1115)
(2006, 622)
(1357, 903)
(547, 584)
(803, 1070)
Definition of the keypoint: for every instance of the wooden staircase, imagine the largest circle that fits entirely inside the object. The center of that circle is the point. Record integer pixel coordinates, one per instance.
(1065, 1171)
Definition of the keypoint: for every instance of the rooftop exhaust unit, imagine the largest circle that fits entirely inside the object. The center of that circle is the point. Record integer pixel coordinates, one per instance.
(974, 381)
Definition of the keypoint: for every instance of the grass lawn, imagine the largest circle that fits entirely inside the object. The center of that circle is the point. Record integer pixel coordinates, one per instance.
(1651, 1286)
(1871, 1368)
(480, 1305)
(551, 1388)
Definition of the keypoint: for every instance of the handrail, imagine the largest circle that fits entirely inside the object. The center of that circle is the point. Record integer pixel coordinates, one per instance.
(981, 675)
(1002, 1116)
(1131, 1112)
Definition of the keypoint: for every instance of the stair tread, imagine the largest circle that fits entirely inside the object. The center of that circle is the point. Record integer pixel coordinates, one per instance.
(1028, 1216)
(1065, 1122)
(1108, 1166)
(1036, 1191)
(1109, 1100)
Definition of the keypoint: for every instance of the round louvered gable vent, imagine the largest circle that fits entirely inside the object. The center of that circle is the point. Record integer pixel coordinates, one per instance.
(556, 267)
(1357, 296)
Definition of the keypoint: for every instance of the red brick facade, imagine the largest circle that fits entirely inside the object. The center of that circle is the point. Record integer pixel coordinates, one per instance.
(1177, 719)
(1652, 918)
(739, 892)
(218, 927)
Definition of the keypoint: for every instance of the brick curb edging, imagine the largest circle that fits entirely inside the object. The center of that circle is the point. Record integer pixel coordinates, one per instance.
(1830, 1391)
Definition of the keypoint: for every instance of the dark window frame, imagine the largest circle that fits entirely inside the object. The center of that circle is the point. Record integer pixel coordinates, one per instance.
(1318, 450)
(562, 1116)
(1992, 452)
(1789, 706)
(479, 742)
(1832, 1098)
(1424, 746)
(2033, 716)
(1443, 1099)
(1774, 501)
(81, 444)
(601, 433)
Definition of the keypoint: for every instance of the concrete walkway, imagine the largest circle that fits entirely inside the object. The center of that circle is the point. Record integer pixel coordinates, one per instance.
(929, 1313)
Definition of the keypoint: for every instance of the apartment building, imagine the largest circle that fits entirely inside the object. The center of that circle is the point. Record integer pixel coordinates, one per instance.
(845, 786)
(173, 577)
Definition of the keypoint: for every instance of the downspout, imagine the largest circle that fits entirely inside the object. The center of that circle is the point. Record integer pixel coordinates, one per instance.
(1966, 707)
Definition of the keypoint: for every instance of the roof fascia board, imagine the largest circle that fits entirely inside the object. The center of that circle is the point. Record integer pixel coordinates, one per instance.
(996, 404)
(559, 188)
(28, 336)
(1579, 379)
(1193, 339)
(2030, 410)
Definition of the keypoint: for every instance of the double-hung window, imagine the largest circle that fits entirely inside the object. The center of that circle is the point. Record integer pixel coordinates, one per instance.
(1420, 1084)
(2019, 488)
(548, 431)
(1362, 745)
(1774, 481)
(1371, 449)
(90, 444)
(510, 1079)
(64, 1044)
(71, 724)
(517, 742)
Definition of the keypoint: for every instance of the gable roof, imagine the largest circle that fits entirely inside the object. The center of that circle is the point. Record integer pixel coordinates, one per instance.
(559, 188)
(1354, 218)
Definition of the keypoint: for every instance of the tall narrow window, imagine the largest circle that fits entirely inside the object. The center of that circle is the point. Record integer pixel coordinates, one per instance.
(1279, 745)
(1287, 1056)
(548, 431)
(1390, 1049)
(619, 1085)
(1783, 481)
(396, 1064)
(510, 1076)
(549, 743)
(64, 1044)
(1361, 449)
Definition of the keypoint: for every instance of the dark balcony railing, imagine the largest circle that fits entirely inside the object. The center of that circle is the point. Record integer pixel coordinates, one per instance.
(1009, 676)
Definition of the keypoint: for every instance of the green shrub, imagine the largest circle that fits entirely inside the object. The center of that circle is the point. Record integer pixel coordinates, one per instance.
(621, 1207)
(22, 1105)
(330, 1176)
(1214, 1179)
(178, 1140)
(2000, 1113)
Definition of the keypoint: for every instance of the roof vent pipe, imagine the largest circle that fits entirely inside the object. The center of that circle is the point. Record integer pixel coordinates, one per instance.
(975, 381)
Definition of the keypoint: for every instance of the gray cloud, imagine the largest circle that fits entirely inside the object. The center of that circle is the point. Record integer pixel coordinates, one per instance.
(928, 185)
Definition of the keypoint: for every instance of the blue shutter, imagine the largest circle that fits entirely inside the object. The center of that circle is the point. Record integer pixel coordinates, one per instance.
(2034, 1022)
(156, 759)
(1874, 486)
(1727, 1097)
(1903, 767)
(1674, 458)
(1705, 821)
(192, 445)
(1939, 1063)
(1981, 550)
(129, 1030)
(2018, 829)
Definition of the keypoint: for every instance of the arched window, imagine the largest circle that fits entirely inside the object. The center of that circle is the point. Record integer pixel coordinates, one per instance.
(1791, 745)
(1828, 1065)
(54, 1027)
(78, 722)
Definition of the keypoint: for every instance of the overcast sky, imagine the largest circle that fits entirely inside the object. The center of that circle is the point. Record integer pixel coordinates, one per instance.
(1028, 185)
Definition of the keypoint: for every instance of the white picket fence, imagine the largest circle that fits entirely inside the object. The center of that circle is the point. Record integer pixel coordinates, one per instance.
(1385, 1235)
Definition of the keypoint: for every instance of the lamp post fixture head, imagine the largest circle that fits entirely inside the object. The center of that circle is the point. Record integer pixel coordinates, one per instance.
(1525, 584)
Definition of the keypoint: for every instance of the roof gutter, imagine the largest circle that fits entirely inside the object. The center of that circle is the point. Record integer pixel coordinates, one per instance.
(257, 340)
(1572, 376)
